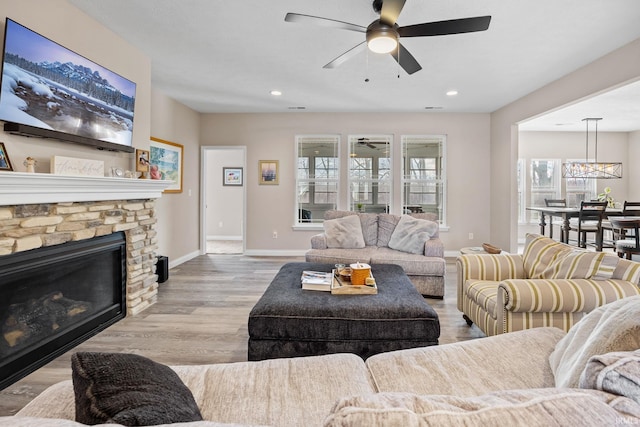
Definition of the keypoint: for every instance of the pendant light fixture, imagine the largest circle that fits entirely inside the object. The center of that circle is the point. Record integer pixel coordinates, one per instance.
(595, 169)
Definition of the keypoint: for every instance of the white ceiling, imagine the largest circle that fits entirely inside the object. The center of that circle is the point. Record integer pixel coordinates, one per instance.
(226, 56)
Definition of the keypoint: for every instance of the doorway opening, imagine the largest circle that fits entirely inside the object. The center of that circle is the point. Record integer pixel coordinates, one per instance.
(223, 200)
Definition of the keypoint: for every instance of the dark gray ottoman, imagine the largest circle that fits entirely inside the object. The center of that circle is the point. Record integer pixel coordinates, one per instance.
(289, 322)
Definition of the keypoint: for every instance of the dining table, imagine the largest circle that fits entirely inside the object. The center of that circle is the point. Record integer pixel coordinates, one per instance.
(565, 213)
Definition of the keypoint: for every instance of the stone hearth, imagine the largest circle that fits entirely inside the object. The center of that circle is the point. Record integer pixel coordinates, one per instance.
(39, 210)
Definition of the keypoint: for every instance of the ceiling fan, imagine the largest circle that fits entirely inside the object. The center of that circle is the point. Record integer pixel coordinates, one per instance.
(382, 36)
(369, 143)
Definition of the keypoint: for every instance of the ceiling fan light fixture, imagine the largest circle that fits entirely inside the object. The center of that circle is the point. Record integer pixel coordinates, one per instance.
(381, 38)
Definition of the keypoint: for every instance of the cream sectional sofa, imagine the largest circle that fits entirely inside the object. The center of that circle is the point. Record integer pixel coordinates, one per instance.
(541, 376)
(425, 269)
(549, 284)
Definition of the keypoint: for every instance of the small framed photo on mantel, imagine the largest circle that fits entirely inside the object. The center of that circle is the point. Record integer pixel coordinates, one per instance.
(5, 163)
(232, 176)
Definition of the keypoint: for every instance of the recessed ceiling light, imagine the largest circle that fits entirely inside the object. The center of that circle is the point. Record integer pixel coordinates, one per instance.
(452, 93)
(433, 108)
(276, 93)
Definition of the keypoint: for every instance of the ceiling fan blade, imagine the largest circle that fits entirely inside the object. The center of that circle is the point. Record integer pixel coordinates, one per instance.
(347, 55)
(406, 61)
(325, 22)
(441, 28)
(372, 146)
(390, 11)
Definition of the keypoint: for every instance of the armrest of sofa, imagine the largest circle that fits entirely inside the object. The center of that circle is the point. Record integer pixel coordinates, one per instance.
(319, 241)
(487, 267)
(434, 248)
(561, 295)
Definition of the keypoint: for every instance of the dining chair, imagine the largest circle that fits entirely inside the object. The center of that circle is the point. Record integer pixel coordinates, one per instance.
(555, 203)
(628, 209)
(629, 244)
(589, 220)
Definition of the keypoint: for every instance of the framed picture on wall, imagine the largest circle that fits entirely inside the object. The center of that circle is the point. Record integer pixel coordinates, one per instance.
(232, 176)
(268, 172)
(166, 162)
(5, 163)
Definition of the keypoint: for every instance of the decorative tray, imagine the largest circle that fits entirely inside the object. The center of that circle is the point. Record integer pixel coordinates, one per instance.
(341, 286)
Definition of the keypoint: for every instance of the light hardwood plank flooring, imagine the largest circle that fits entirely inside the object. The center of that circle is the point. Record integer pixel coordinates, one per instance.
(201, 318)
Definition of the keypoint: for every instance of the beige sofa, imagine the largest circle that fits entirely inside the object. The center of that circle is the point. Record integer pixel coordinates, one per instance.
(550, 284)
(425, 269)
(540, 376)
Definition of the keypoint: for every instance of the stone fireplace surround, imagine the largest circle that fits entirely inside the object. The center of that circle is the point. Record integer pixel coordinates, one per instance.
(39, 210)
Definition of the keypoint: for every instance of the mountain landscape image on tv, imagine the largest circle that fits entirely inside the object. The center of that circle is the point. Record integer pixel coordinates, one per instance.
(47, 86)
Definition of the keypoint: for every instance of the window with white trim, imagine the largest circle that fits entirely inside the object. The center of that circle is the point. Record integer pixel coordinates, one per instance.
(424, 174)
(317, 177)
(370, 177)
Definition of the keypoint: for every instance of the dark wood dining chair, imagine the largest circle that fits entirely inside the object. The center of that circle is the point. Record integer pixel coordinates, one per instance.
(628, 209)
(589, 220)
(629, 244)
(555, 203)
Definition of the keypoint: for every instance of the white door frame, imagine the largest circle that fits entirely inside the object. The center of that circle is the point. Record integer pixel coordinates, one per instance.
(204, 150)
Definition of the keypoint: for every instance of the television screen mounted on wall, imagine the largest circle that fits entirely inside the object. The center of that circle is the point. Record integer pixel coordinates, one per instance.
(52, 92)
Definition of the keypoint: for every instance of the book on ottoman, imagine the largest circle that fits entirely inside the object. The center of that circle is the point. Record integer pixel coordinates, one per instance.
(316, 280)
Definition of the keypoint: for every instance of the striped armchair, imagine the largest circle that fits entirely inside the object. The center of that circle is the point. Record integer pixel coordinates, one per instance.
(550, 284)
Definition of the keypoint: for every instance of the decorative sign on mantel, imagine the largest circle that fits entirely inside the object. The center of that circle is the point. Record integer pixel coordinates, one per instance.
(76, 167)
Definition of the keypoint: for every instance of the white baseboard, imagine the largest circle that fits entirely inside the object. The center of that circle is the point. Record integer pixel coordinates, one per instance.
(224, 237)
(183, 259)
(270, 252)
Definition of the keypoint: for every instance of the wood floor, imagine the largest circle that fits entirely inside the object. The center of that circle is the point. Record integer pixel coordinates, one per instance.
(201, 318)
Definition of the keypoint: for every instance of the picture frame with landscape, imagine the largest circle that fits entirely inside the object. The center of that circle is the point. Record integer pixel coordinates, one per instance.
(232, 176)
(166, 162)
(268, 172)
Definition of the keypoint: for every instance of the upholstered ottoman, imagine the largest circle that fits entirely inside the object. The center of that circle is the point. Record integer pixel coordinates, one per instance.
(288, 321)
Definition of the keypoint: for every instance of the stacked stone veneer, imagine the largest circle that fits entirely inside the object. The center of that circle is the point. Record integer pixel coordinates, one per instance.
(26, 227)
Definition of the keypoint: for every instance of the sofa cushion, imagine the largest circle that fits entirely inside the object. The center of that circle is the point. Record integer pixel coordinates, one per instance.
(411, 233)
(129, 389)
(344, 233)
(539, 252)
(627, 270)
(617, 373)
(581, 265)
(412, 264)
(611, 327)
(469, 368)
(368, 221)
(342, 256)
(539, 407)
(386, 224)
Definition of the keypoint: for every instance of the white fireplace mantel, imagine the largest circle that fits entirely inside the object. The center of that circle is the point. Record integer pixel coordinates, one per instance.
(19, 188)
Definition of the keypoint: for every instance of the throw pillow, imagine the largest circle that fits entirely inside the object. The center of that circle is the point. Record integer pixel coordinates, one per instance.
(617, 373)
(345, 232)
(130, 390)
(581, 265)
(539, 252)
(611, 327)
(411, 234)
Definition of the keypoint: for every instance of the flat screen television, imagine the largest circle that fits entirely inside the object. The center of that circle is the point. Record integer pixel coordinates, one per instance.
(50, 91)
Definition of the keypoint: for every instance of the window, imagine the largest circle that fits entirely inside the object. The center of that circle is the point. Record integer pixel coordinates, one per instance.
(544, 182)
(423, 175)
(579, 189)
(370, 177)
(317, 177)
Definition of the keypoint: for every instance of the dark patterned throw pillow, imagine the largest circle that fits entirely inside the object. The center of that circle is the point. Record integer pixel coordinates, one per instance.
(129, 389)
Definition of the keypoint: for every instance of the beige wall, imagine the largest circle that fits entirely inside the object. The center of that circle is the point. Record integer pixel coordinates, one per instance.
(632, 168)
(612, 147)
(178, 213)
(224, 204)
(66, 25)
(612, 70)
(272, 137)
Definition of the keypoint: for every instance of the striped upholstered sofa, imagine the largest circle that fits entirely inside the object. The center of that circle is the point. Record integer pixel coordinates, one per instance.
(549, 284)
